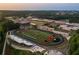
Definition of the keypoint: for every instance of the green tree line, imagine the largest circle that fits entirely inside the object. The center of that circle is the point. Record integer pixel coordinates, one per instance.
(5, 26)
(74, 43)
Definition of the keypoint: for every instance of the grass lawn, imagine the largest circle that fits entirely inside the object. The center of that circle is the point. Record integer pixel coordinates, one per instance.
(37, 35)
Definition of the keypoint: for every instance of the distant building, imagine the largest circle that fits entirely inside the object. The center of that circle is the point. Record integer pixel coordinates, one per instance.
(24, 22)
(60, 22)
(69, 27)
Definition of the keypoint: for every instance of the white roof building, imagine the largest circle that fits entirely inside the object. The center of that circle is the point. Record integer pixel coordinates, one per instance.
(20, 40)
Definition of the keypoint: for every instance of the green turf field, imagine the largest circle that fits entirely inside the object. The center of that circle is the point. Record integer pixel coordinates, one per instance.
(37, 35)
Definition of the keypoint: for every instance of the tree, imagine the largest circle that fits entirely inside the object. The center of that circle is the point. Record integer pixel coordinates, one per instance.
(74, 43)
(9, 25)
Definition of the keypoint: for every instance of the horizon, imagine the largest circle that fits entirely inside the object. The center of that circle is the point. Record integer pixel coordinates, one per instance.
(39, 10)
(39, 6)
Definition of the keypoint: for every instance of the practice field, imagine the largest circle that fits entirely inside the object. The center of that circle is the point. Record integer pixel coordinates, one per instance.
(37, 35)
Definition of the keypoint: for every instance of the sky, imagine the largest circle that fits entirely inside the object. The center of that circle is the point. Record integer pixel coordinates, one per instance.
(39, 6)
